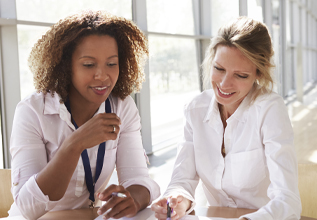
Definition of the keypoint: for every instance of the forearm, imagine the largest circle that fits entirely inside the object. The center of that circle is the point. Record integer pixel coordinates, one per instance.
(141, 196)
(53, 180)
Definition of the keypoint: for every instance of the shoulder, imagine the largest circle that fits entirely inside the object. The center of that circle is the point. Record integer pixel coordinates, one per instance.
(201, 101)
(267, 100)
(119, 104)
(38, 101)
(34, 101)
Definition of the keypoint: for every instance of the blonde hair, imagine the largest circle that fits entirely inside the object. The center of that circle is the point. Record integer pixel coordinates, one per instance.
(253, 40)
(50, 58)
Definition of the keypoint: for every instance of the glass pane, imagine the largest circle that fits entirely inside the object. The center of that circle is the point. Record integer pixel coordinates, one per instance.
(222, 11)
(53, 10)
(27, 37)
(162, 16)
(174, 81)
(255, 10)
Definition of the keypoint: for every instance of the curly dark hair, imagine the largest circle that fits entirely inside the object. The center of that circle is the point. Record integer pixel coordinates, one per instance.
(50, 58)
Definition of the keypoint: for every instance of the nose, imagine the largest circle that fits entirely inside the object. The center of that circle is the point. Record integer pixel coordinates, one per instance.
(226, 81)
(101, 74)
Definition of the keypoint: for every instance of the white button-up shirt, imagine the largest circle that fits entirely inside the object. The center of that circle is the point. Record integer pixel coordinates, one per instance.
(41, 124)
(259, 170)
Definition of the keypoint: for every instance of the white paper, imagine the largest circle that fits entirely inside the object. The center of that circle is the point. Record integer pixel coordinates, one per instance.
(143, 215)
(193, 217)
(148, 214)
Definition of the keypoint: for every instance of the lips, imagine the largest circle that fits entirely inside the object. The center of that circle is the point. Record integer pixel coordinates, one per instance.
(100, 90)
(224, 94)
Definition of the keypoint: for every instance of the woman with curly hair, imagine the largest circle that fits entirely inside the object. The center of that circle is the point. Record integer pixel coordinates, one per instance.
(69, 136)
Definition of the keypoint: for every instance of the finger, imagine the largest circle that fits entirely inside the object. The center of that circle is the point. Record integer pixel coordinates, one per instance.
(129, 212)
(158, 208)
(109, 116)
(174, 216)
(113, 129)
(160, 216)
(113, 203)
(111, 206)
(107, 193)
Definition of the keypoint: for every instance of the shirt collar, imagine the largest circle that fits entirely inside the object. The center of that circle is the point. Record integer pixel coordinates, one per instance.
(213, 115)
(53, 106)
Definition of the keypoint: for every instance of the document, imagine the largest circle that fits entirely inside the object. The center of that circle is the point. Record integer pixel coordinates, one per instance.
(142, 215)
(148, 214)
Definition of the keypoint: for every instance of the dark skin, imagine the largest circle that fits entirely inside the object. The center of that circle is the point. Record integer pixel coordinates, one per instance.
(95, 73)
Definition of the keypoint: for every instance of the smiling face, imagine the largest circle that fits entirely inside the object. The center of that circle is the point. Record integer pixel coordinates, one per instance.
(95, 70)
(232, 77)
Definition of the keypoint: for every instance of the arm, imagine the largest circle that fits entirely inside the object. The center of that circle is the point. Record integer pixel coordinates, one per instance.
(53, 180)
(131, 167)
(277, 134)
(40, 182)
(184, 180)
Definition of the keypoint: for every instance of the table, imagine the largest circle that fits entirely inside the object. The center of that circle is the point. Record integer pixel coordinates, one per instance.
(91, 214)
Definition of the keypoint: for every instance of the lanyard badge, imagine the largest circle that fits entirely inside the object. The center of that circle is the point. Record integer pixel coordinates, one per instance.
(99, 164)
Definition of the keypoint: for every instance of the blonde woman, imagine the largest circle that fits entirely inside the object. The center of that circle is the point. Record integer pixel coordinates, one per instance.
(238, 139)
(69, 136)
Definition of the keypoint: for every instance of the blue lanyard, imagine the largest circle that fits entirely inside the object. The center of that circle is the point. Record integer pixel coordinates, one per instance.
(100, 157)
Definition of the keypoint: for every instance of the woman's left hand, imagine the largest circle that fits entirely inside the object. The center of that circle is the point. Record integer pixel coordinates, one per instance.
(117, 207)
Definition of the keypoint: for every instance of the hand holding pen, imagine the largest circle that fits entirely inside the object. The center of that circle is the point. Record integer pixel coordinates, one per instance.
(169, 210)
(119, 203)
(177, 204)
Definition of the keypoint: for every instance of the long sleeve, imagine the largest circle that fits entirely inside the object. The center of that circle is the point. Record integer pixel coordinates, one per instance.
(29, 157)
(131, 158)
(184, 178)
(277, 135)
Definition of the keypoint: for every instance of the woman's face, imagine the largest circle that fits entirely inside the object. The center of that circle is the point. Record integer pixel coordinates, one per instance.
(232, 77)
(95, 69)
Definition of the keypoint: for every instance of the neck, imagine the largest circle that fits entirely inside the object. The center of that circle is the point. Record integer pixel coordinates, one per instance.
(81, 111)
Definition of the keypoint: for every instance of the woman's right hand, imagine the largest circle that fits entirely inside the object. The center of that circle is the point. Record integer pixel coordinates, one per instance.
(179, 204)
(98, 129)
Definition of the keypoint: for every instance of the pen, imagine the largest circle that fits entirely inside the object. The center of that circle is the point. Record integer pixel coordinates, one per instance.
(118, 194)
(169, 210)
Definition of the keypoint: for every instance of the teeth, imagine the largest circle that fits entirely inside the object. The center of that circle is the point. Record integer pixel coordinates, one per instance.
(101, 88)
(224, 92)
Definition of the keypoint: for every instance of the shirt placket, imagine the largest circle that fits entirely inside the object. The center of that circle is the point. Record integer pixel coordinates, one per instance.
(227, 142)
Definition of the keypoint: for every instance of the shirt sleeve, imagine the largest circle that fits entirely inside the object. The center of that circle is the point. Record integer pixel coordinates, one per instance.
(185, 178)
(277, 135)
(29, 157)
(131, 158)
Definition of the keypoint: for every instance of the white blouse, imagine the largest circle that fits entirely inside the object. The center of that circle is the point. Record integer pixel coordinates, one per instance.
(259, 170)
(41, 124)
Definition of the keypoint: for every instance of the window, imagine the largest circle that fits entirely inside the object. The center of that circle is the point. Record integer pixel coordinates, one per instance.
(162, 16)
(27, 37)
(53, 10)
(222, 11)
(174, 81)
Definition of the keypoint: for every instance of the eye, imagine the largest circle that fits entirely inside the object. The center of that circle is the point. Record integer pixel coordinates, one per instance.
(88, 65)
(112, 64)
(243, 76)
(219, 69)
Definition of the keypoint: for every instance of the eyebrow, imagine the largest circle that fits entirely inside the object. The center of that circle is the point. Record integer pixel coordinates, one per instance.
(113, 56)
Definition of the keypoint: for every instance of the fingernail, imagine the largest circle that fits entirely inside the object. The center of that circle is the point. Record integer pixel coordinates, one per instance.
(99, 212)
(100, 196)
